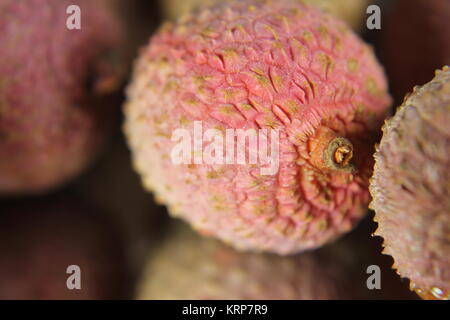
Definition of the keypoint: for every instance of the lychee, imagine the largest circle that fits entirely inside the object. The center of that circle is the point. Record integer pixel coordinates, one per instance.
(265, 68)
(415, 42)
(411, 189)
(187, 267)
(60, 248)
(56, 89)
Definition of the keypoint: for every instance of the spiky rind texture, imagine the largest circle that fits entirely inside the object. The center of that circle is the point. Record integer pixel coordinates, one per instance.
(411, 188)
(253, 65)
(186, 266)
(55, 84)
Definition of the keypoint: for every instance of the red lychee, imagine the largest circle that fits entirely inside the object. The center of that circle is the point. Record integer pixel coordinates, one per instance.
(262, 67)
(56, 90)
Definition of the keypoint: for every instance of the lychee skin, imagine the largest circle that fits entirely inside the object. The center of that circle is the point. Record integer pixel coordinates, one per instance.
(188, 267)
(252, 65)
(55, 91)
(411, 190)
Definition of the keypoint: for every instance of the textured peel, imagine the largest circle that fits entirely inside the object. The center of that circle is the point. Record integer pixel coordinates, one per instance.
(411, 189)
(270, 65)
(56, 90)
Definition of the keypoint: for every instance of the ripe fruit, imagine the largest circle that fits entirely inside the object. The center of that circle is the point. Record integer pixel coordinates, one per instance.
(254, 65)
(415, 43)
(188, 267)
(351, 11)
(411, 190)
(39, 239)
(56, 90)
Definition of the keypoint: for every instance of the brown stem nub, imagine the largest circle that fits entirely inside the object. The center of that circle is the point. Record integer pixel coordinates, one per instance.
(330, 151)
(338, 155)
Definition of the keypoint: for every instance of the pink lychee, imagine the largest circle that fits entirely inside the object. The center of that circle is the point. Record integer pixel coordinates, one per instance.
(271, 65)
(56, 90)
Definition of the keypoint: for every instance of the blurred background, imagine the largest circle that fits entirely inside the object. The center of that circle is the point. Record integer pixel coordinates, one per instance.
(103, 221)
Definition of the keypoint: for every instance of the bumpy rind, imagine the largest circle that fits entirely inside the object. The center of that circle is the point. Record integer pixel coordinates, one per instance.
(411, 189)
(55, 90)
(252, 65)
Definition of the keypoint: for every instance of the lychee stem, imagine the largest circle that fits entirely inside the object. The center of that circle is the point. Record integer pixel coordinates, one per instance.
(331, 151)
(338, 155)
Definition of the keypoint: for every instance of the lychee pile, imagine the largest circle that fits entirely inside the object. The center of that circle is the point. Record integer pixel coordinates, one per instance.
(258, 123)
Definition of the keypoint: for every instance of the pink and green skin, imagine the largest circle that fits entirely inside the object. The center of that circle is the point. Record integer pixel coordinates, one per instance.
(261, 64)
